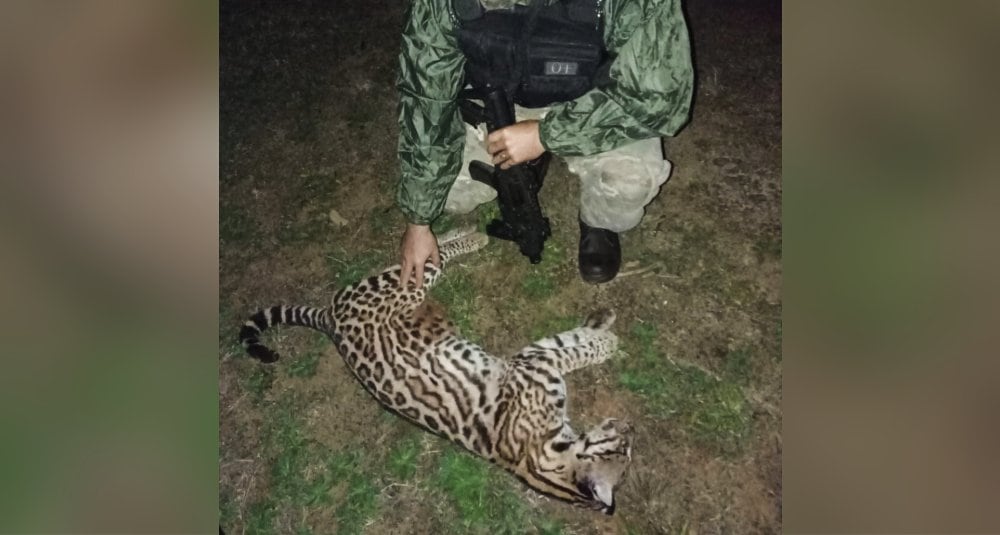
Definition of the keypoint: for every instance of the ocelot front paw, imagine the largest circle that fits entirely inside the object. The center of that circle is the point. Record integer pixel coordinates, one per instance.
(600, 319)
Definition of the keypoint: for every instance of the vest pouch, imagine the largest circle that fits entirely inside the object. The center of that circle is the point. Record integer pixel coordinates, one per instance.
(558, 70)
(556, 63)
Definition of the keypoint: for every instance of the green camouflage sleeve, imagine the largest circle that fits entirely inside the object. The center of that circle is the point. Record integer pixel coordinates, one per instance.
(431, 134)
(650, 87)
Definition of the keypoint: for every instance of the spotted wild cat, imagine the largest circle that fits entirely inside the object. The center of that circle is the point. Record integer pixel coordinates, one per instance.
(512, 412)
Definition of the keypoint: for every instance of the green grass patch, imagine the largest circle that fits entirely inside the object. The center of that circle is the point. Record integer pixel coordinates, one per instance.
(550, 526)
(259, 381)
(538, 285)
(303, 476)
(360, 500)
(738, 367)
(457, 292)
(305, 365)
(485, 213)
(713, 412)
(554, 256)
(228, 508)
(230, 322)
(296, 474)
(485, 499)
(484, 502)
(259, 518)
(542, 280)
(349, 270)
(404, 457)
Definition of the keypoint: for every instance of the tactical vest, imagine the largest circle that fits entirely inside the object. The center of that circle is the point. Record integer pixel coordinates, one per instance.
(539, 54)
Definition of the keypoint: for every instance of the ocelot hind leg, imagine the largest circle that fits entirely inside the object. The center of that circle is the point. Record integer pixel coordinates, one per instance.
(590, 344)
(459, 242)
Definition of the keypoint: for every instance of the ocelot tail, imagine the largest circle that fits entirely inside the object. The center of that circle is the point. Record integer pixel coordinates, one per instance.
(512, 412)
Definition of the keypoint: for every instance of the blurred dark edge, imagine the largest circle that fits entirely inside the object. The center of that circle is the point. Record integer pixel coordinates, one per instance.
(890, 397)
(109, 266)
(108, 198)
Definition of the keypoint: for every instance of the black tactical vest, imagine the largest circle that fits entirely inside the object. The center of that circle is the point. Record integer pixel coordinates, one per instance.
(539, 54)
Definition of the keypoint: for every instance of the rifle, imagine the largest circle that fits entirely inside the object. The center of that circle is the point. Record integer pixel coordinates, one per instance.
(521, 220)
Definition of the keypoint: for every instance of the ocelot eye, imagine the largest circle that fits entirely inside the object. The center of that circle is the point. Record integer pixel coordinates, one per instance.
(560, 446)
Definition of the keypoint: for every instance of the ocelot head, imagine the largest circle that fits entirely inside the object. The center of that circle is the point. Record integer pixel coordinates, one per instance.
(594, 465)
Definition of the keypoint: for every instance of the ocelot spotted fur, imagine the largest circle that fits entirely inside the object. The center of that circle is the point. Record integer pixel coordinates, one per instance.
(512, 412)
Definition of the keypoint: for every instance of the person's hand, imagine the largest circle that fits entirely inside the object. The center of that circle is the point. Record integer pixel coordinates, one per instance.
(517, 143)
(418, 246)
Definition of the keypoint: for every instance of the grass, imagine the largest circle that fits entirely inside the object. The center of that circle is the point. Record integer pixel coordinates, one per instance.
(259, 381)
(295, 457)
(738, 367)
(228, 508)
(303, 477)
(538, 285)
(385, 220)
(350, 269)
(236, 225)
(542, 280)
(484, 498)
(403, 459)
(304, 365)
(445, 222)
(485, 213)
(260, 517)
(552, 325)
(713, 412)
(359, 502)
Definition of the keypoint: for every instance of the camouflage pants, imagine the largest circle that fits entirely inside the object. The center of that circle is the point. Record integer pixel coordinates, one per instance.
(615, 186)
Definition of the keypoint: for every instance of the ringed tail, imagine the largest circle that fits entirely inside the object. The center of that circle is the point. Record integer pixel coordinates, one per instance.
(304, 316)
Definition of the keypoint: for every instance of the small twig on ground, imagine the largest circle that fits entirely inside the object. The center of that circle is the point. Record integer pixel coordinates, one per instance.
(390, 485)
(695, 365)
(639, 271)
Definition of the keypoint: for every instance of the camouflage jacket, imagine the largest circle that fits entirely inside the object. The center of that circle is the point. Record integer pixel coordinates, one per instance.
(649, 95)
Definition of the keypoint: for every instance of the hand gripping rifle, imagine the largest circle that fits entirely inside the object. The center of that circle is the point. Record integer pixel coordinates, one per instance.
(521, 220)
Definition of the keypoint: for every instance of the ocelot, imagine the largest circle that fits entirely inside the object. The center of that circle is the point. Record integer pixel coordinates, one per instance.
(511, 412)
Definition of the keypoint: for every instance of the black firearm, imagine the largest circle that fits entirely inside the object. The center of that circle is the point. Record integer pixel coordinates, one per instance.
(521, 220)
